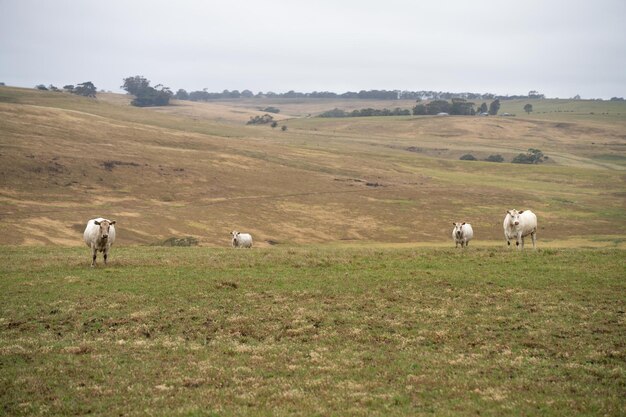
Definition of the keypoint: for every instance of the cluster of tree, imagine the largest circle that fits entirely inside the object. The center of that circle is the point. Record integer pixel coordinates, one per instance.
(490, 158)
(145, 95)
(617, 98)
(366, 112)
(528, 108)
(532, 156)
(87, 89)
(204, 95)
(457, 106)
(261, 120)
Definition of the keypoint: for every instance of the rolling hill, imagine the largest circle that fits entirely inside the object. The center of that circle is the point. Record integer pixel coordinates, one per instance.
(196, 169)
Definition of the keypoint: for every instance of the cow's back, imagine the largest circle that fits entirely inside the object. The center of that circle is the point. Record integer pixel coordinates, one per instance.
(528, 222)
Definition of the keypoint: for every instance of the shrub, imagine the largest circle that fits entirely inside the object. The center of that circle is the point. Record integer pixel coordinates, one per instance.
(495, 158)
(468, 157)
(533, 156)
(271, 110)
(260, 120)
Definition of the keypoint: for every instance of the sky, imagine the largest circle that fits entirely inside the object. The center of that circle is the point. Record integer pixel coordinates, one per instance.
(560, 48)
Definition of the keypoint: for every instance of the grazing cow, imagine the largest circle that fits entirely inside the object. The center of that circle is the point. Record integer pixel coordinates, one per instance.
(241, 240)
(99, 236)
(462, 233)
(519, 224)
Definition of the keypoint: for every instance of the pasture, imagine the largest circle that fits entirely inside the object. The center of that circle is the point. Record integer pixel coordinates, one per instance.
(316, 330)
(196, 169)
(353, 300)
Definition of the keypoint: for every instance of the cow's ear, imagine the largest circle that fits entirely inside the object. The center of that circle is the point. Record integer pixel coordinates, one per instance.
(453, 224)
(96, 222)
(462, 224)
(113, 222)
(521, 212)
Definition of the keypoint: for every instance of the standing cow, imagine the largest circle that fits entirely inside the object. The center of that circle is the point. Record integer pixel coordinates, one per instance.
(99, 236)
(462, 233)
(241, 240)
(519, 224)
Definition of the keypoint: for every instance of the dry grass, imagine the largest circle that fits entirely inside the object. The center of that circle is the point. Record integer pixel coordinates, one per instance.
(195, 169)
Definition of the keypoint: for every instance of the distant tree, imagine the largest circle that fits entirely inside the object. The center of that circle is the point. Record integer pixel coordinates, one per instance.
(576, 97)
(271, 110)
(146, 96)
(260, 120)
(438, 106)
(483, 108)
(274, 124)
(535, 94)
(247, 94)
(53, 87)
(2, 84)
(617, 98)
(333, 113)
(533, 156)
(462, 107)
(86, 89)
(283, 128)
(468, 157)
(149, 97)
(528, 108)
(69, 88)
(135, 84)
(495, 158)
(420, 110)
(494, 107)
(41, 87)
(181, 95)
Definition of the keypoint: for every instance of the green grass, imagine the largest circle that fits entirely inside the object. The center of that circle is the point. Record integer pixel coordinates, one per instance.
(312, 331)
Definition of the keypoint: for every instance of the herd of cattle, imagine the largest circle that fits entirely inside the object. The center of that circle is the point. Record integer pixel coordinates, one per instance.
(100, 233)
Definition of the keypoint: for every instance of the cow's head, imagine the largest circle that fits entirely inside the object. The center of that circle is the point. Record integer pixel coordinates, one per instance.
(105, 226)
(458, 232)
(514, 216)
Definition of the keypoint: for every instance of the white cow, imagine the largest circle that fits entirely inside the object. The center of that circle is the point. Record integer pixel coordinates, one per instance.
(519, 224)
(99, 236)
(241, 240)
(462, 233)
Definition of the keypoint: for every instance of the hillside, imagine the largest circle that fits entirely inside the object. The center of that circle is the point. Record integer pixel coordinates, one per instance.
(196, 169)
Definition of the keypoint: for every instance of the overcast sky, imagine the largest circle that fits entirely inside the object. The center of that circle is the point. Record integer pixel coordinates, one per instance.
(559, 47)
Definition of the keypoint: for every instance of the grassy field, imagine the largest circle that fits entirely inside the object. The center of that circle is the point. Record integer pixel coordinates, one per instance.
(353, 301)
(196, 169)
(312, 331)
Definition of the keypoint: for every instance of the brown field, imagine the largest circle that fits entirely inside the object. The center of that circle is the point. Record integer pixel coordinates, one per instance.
(196, 169)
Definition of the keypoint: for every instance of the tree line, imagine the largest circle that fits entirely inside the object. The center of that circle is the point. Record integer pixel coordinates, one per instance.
(205, 95)
(366, 112)
(86, 89)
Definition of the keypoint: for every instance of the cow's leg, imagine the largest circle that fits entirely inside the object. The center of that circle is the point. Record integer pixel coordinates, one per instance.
(534, 236)
(466, 243)
(93, 256)
(106, 255)
(522, 242)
